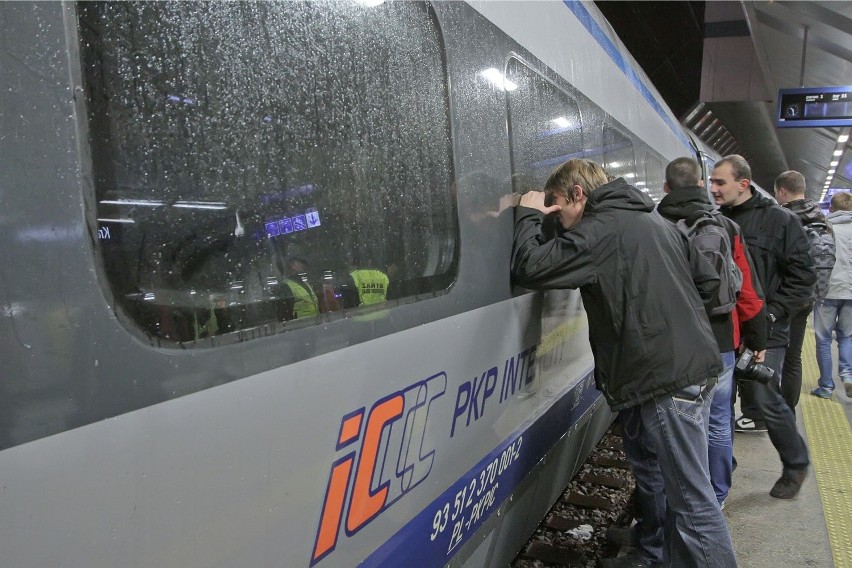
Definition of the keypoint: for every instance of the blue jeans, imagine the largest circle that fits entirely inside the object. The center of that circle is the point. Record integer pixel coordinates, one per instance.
(679, 522)
(764, 402)
(720, 442)
(833, 315)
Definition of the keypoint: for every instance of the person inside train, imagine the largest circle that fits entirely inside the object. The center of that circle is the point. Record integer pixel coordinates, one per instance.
(834, 313)
(790, 193)
(685, 198)
(779, 248)
(656, 360)
(305, 301)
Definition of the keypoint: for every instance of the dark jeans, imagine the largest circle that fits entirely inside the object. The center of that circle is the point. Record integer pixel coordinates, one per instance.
(679, 522)
(791, 377)
(764, 402)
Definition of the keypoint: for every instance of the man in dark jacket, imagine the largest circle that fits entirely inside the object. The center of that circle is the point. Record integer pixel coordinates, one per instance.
(655, 356)
(685, 195)
(779, 248)
(790, 193)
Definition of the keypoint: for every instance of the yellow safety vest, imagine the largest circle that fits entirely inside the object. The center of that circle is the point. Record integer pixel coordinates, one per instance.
(306, 303)
(372, 286)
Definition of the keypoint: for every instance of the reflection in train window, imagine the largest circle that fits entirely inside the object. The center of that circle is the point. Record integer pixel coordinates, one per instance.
(618, 157)
(263, 163)
(654, 176)
(545, 127)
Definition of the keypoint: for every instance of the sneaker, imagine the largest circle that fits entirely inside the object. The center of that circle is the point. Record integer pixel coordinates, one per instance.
(630, 560)
(823, 392)
(743, 424)
(848, 387)
(789, 484)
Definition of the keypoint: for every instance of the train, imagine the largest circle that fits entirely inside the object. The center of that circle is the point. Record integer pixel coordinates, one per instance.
(257, 308)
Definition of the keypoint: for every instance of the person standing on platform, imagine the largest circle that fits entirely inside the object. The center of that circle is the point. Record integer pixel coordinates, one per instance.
(687, 199)
(656, 361)
(779, 249)
(834, 313)
(790, 193)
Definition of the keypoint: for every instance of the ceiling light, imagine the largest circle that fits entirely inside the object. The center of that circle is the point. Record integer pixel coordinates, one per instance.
(838, 152)
(561, 122)
(615, 165)
(843, 138)
(834, 163)
(831, 171)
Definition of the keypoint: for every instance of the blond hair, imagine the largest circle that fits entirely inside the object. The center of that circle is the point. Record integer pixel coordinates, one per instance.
(585, 173)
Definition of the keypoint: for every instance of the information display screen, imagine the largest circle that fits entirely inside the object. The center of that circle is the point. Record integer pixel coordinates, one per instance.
(814, 107)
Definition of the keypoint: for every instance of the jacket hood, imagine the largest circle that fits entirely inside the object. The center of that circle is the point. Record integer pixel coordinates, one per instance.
(756, 201)
(840, 217)
(618, 194)
(681, 203)
(807, 210)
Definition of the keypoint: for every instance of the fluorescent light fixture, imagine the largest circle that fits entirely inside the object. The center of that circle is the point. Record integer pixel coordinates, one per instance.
(139, 202)
(834, 163)
(498, 80)
(116, 221)
(200, 205)
(838, 152)
(843, 138)
(614, 165)
(831, 171)
(630, 176)
(562, 122)
(639, 184)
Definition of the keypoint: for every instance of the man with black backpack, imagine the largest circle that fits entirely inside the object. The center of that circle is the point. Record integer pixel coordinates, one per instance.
(784, 267)
(790, 193)
(737, 310)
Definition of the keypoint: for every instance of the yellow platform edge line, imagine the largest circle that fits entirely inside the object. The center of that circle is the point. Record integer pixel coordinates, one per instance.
(830, 444)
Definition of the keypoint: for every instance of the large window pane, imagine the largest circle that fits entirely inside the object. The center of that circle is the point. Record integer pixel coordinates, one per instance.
(545, 126)
(256, 163)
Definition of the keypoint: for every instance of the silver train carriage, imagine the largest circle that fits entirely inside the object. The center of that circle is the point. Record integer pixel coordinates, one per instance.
(255, 280)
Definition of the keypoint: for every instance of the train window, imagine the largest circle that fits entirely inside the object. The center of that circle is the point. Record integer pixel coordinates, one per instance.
(654, 176)
(618, 156)
(545, 126)
(263, 163)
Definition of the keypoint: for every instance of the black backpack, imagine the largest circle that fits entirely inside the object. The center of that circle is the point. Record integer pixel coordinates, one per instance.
(823, 251)
(707, 233)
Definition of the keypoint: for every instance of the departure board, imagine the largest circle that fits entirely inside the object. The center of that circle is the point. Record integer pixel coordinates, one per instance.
(814, 107)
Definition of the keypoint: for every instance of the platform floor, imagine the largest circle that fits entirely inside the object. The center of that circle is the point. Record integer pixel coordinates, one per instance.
(773, 533)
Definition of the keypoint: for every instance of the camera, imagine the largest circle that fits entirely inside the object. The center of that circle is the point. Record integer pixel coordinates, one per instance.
(747, 369)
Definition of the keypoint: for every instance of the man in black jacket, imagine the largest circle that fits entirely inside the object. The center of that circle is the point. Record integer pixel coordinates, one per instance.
(790, 193)
(686, 195)
(779, 249)
(655, 357)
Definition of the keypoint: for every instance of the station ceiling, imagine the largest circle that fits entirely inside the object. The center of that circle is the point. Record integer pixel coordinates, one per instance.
(719, 66)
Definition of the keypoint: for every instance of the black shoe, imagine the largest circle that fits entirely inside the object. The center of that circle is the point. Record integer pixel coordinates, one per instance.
(789, 484)
(630, 560)
(620, 536)
(743, 424)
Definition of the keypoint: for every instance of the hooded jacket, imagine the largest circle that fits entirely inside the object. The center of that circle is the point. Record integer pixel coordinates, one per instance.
(840, 285)
(780, 251)
(640, 280)
(748, 318)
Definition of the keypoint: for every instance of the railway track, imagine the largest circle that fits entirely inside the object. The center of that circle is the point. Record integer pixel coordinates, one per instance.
(573, 533)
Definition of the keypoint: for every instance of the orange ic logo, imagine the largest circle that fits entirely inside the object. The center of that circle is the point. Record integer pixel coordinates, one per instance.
(394, 457)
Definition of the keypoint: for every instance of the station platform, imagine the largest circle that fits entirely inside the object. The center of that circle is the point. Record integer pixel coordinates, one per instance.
(815, 528)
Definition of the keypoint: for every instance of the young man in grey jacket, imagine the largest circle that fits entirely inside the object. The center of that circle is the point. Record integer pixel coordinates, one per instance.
(835, 311)
(656, 359)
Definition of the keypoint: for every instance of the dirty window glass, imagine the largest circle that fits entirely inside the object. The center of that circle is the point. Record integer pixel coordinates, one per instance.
(654, 177)
(264, 165)
(545, 127)
(619, 158)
